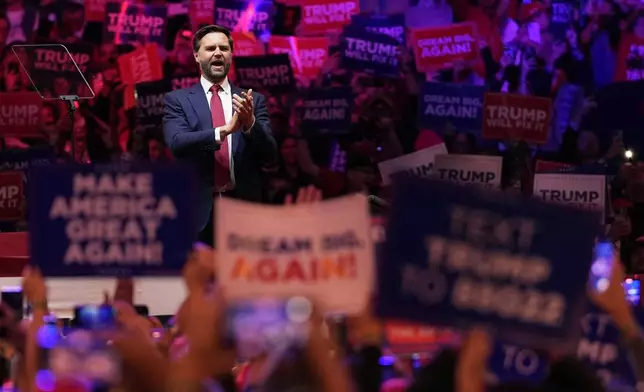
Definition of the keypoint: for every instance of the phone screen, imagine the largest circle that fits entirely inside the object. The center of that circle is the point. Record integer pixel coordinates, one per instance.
(602, 266)
(13, 298)
(142, 310)
(94, 317)
(632, 289)
(262, 325)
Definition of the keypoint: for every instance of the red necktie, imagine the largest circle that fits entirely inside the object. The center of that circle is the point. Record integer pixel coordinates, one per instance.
(222, 162)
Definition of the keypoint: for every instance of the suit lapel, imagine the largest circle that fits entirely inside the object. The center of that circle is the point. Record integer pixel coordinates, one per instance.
(199, 102)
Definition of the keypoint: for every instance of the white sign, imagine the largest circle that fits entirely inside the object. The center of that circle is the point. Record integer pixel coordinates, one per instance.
(322, 250)
(587, 191)
(417, 164)
(469, 169)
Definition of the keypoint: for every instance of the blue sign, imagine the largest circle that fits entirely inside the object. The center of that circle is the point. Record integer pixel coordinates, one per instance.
(149, 103)
(600, 347)
(363, 51)
(327, 111)
(455, 256)
(390, 25)
(111, 220)
(127, 23)
(272, 73)
(457, 104)
(256, 16)
(517, 363)
(24, 159)
(561, 18)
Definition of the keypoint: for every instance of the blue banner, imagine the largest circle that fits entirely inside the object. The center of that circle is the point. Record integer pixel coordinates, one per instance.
(149, 103)
(455, 256)
(252, 16)
(128, 23)
(111, 220)
(443, 103)
(373, 53)
(390, 25)
(24, 159)
(272, 73)
(327, 111)
(517, 363)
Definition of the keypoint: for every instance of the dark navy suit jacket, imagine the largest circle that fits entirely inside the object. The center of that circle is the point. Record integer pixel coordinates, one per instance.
(188, 131)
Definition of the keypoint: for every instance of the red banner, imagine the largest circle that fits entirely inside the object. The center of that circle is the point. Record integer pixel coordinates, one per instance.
(435, 47)
(516, 117)
(548, 166)
(326, 16)
(11, 194)
(307, 54)
(20, 114)
(202, 12)
(141, 65)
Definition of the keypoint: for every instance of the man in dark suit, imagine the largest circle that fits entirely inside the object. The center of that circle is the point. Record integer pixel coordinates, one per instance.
(222, 131)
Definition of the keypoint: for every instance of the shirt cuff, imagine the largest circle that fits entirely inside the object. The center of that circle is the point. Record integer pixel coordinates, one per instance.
(249, 128)
(218, 135)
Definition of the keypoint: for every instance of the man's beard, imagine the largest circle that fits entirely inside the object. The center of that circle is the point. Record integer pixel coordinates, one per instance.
(212, 75)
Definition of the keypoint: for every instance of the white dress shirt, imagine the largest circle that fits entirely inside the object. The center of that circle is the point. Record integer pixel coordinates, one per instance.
(226, 96)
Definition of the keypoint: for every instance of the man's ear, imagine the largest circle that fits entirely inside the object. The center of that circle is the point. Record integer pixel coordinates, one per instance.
(196, 56)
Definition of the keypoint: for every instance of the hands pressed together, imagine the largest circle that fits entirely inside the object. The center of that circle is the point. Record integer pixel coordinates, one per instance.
(243, 114)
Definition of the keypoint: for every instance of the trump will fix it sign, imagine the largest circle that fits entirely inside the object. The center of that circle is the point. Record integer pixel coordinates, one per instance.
(516, 117)
(11, 191)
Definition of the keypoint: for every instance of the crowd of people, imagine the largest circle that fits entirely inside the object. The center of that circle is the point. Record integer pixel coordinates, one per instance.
(385, 116)
(600, 46)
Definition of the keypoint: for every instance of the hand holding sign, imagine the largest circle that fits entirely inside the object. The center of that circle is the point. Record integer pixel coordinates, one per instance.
(33, 286)
(472, 361)
(245, 108)
(199, 269)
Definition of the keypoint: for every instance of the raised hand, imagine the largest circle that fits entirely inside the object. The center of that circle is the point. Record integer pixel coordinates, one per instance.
(306, 195)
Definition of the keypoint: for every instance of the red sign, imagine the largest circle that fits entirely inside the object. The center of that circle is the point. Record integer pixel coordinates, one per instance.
(629, 65)
(548, 166)
(20, 114)
(245, 44)
(141, 65)
(516, 117)
(129, 97)
(435, 47)
(326, 16)
(307, 54)
(95, 10)
(202, 11)
(11, 194)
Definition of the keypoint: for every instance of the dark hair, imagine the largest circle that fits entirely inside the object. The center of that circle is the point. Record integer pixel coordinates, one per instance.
(202, 32)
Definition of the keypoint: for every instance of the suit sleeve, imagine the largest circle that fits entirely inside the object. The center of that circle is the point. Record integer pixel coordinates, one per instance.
(178, 134)
(260, 135)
